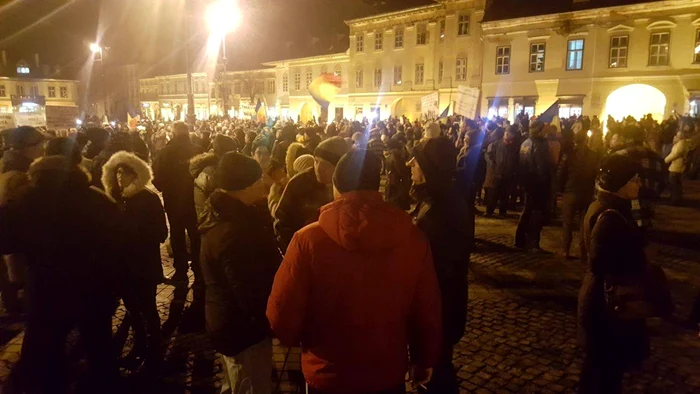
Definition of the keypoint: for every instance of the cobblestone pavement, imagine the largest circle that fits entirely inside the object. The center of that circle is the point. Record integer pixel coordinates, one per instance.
(521, 332)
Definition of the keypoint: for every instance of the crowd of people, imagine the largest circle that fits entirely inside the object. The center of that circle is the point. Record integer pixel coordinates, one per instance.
(287, 234)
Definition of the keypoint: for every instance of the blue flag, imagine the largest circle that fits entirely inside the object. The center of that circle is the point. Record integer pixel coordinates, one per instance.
(257, 106)
(550, 113)
(444, 113)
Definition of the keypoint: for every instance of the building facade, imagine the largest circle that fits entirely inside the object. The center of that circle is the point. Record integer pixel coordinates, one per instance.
(588, 55)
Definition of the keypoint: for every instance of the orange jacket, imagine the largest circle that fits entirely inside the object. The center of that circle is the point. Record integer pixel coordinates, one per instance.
(356, 289)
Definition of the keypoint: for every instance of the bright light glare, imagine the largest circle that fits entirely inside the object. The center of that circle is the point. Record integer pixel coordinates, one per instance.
(647, 100)
(223, 16)
(94, 47)
(78, 122)
(697, 49)
(590, 133)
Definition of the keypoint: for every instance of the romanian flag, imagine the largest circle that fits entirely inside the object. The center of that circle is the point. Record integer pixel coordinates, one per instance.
(133, 122)
(324, 89)
(551, 112)
(261, 111)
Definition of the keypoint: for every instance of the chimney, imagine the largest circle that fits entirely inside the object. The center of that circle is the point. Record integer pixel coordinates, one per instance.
(36, 60)
(4, 58)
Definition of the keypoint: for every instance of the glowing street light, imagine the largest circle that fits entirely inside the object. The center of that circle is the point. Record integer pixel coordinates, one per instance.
(95, 47)
(222, 17)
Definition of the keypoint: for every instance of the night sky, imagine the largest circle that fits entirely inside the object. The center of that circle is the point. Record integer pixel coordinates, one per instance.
(151, 32)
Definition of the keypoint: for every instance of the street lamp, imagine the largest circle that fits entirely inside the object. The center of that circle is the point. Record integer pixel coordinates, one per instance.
(222, 17)
(96, 49)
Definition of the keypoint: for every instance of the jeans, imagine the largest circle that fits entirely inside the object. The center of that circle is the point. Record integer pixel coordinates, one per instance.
(675, 185)
(140, 303)
(527, 235)
(181, 222)
(573, 206)
(250, 371)
(498, 195)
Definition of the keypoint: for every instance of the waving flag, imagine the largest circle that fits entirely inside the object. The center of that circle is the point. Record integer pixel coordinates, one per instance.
(548, 115)
(324, 88)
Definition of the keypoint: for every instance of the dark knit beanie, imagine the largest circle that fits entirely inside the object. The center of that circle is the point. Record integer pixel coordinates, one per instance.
(615, 171)
(24, 137)
(331, 150)
(357, 170)
(223, 144)
(436, 158)
(236, 172)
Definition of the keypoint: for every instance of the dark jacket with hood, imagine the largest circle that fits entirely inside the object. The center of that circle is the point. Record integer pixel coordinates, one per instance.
(536, 165)
(239, 259)
(143, 210)
(577, 171)
(171, 175)
(202, 169)
(501, 162)
(299, 205)
(447, 221)
(72, 236)
(356, 296)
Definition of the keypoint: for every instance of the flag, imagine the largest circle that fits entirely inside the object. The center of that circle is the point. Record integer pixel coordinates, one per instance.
(324, 89)
(257, 106)
(261, 112)
(133, 122)
(443, 115)
(548, 115)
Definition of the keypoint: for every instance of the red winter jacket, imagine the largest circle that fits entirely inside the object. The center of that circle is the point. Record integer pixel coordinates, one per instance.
(356, 289)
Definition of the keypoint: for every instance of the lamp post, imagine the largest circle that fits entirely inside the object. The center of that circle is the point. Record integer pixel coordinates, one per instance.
(97, 49)
(223, 16)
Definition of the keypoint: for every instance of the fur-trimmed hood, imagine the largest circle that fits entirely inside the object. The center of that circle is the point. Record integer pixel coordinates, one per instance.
(200, 162)
(57, 172)
(109, 174)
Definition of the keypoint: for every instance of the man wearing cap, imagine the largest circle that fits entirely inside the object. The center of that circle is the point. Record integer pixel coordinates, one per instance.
(26, 145)
(239, 261)
(357, 289)
(308, 191)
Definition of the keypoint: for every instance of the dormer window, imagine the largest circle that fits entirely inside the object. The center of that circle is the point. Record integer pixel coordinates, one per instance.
(22, 70)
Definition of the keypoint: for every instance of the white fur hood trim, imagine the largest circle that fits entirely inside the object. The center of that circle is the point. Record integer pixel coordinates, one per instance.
(109, 173)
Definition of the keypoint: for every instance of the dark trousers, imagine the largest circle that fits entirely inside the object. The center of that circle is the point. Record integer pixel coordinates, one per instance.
(444, 379)
(399, 390)
(675, 185)
(600, 376)
(498, 195)
(9, 290)
(140, 303)
(42, 366)
(527, 235)
(573, 208)
(181, 222)
(695, 314)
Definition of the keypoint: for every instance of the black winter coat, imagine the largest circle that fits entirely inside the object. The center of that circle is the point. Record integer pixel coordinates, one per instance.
(239, 259)
(73, 238)
(536, 165)
(577, 172)
(501, 162)
(398, 182)
(202, 169)
(615, 246)
(299, 205)
(171, 175)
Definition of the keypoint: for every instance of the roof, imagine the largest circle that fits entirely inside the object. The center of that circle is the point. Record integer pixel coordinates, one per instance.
(512, 9)
(422, 8)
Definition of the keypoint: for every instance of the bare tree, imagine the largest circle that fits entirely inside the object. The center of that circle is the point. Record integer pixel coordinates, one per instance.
(253, 83)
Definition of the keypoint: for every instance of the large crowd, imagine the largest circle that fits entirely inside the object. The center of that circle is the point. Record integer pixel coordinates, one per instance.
(351, 239)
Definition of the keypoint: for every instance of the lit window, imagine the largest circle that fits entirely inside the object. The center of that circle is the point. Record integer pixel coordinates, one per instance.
(461, 72)
(52, 91)
(568, 110)
(441, 71)
(503, 60)
(359, 78)
(696, 57)
(398, 75)
(463, 25)
(442, 30)
(64, 92)
(271, 86)
(360, 43)
(377, 77)
(338, 71)
(574, 55)
(297, 81)
(422, 35)
(618, 51)
(537, 57)
(20, 90)
(658, 49)
(378, 41)
(2, 91)
(398, 38)
(420, 74)
(285, 83)
(309, 78)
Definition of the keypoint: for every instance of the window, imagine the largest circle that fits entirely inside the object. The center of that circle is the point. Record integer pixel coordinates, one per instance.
(360, 43)
(568, 110)
(20, 90)
(338, 71)
(503, 60)
(537, 57)
(398, 38)
(574, 55)
(213, 93)
(461, 72)
(2, 91)
(378, 41)
(285, 83)
(696, 50)
(259, 87)
(52, 91)
(237, 88)
(34, 91)
(398, 75)
(377, 77)
(463, 25)
(309, 78)
(64, 92)
(658, 48)
(359, 78)
(297, 81)
(442, 30)
(441, 71)
(421, 35)
(618, 52)
(420, 73)
(271, 86)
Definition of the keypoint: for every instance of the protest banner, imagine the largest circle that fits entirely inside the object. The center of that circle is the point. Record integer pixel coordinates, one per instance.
(7, 121)
(429, 105)
(61, 117)
(467, 101)
(30, 119)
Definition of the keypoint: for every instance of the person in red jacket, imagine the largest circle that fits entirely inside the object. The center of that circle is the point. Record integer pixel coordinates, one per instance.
(358, 290)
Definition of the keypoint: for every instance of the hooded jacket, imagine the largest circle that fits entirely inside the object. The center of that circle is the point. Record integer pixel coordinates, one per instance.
(239, 258)
(172, 177)
(143, 210)
(202, 169)
(73, 237)
(356, 295)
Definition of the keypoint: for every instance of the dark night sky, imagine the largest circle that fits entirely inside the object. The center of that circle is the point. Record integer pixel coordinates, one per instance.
(151, 32)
